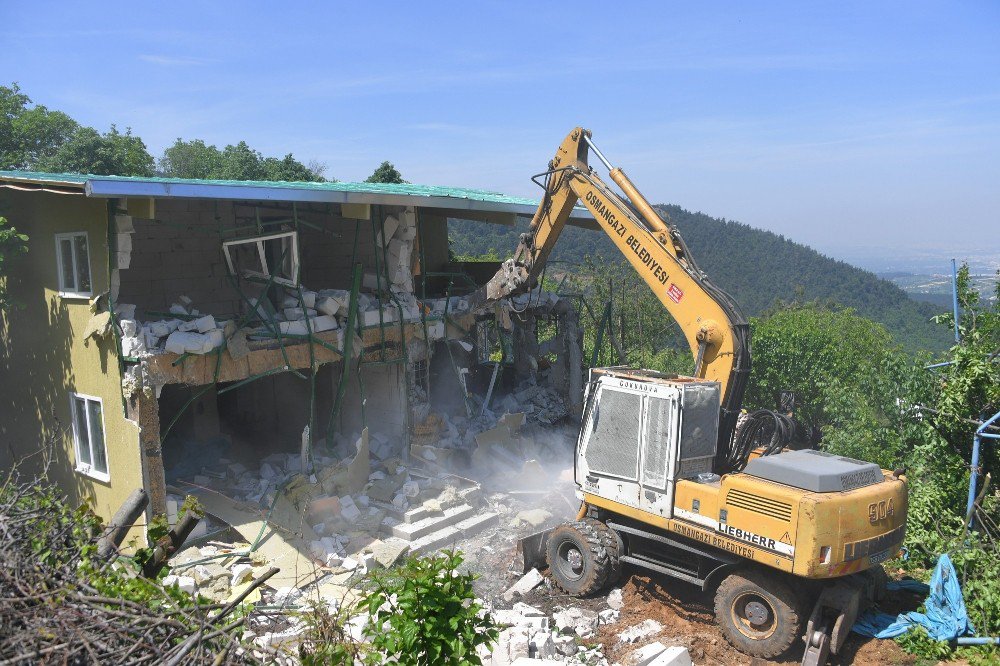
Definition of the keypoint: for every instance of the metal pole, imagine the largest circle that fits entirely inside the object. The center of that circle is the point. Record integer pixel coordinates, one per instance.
(976, 443)
(597, 152)
(954, 297)
(973, 471)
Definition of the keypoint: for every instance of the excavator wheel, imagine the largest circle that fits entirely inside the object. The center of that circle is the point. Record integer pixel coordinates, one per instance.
(578, 559)
(613, 545)
(759, 614)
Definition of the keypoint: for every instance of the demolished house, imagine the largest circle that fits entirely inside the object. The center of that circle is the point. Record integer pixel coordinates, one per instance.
(300, 357)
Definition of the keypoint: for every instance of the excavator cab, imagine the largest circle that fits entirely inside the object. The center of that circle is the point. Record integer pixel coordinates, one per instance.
(642, 431)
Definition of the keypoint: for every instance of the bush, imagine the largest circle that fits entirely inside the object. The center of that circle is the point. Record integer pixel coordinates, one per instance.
(425, 613)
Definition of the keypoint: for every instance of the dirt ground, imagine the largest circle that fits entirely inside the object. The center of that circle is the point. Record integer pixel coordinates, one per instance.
(686, 615)
(687, 618)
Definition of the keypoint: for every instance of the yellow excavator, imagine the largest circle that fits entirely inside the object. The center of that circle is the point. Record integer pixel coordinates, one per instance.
(670, 475)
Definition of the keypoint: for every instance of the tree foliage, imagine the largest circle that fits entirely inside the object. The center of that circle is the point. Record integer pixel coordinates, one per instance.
(35, 138)
(385, 173)
(847, 373)
(29, 134)
(12, 244)
(196, 159)
(110, 154)
(969, 388)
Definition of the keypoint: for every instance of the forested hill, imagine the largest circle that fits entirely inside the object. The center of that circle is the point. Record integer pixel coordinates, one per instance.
(759, 268)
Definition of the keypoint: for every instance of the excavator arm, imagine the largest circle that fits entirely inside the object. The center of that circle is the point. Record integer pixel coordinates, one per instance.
(715, 328)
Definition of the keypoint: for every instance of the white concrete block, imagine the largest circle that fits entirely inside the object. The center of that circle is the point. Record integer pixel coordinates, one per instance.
(390, 225)
(204, 324)
(180, 342)
(350, 512)
(329, 305)
(293, 327)
(323, 323)
(644, 655)
(294, 314)
(641, 631)
(160, 328)
(675, 655)
(213, 340)
(309, 299)
(528, 582)
(241, 573)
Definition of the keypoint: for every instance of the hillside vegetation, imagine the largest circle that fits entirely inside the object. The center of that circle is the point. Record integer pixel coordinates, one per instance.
(759, 268)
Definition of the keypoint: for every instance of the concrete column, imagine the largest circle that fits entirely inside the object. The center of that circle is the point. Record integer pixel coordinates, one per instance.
(144, 410)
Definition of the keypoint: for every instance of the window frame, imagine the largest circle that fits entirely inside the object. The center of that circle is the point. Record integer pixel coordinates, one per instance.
(64, 290)
(88, 469)
(266, 271)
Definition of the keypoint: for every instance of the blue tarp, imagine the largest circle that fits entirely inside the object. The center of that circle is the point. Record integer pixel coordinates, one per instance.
(945, 619)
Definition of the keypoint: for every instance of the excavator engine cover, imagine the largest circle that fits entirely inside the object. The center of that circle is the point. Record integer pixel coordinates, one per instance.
(815, 471)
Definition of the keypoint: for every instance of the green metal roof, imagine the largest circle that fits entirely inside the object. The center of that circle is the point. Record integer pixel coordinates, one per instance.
(433, 196)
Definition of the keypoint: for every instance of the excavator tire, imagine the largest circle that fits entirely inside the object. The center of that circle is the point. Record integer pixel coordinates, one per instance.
(613, 545)
(759, 614)
(578, 560)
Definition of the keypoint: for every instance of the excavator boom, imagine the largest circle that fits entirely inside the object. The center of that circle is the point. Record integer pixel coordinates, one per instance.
(715, 328)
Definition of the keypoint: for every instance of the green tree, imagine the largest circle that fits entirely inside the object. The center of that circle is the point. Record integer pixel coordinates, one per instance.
(241, 162)
(109, 154)
(969, 388)
(290, 169)
(847, 373)
(196, 159)
(29, 135)
(385, 173)
(191, 159)
(12, 244)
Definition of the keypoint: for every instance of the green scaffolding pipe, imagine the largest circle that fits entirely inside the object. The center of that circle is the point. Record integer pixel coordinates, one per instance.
(276, 330)
(243, 382)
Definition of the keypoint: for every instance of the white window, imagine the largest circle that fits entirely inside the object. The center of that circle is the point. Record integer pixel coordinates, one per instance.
(88, 437)
(263, 256)
(73, 257)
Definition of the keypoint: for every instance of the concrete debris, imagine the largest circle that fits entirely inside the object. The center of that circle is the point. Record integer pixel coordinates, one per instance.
(183, 583)
(533, 517)
(615, 600)
(579, 621)
(608, 616)
(640, 632)
(528, 582)
(658, 654)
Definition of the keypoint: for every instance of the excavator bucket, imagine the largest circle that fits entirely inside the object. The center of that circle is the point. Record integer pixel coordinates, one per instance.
(532, 550)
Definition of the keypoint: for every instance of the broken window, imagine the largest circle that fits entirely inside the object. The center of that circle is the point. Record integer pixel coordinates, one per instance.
(73, 257)
(88, 437)
(275, 256)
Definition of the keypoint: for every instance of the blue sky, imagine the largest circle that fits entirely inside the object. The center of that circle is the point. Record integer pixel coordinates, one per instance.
(842, 125)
